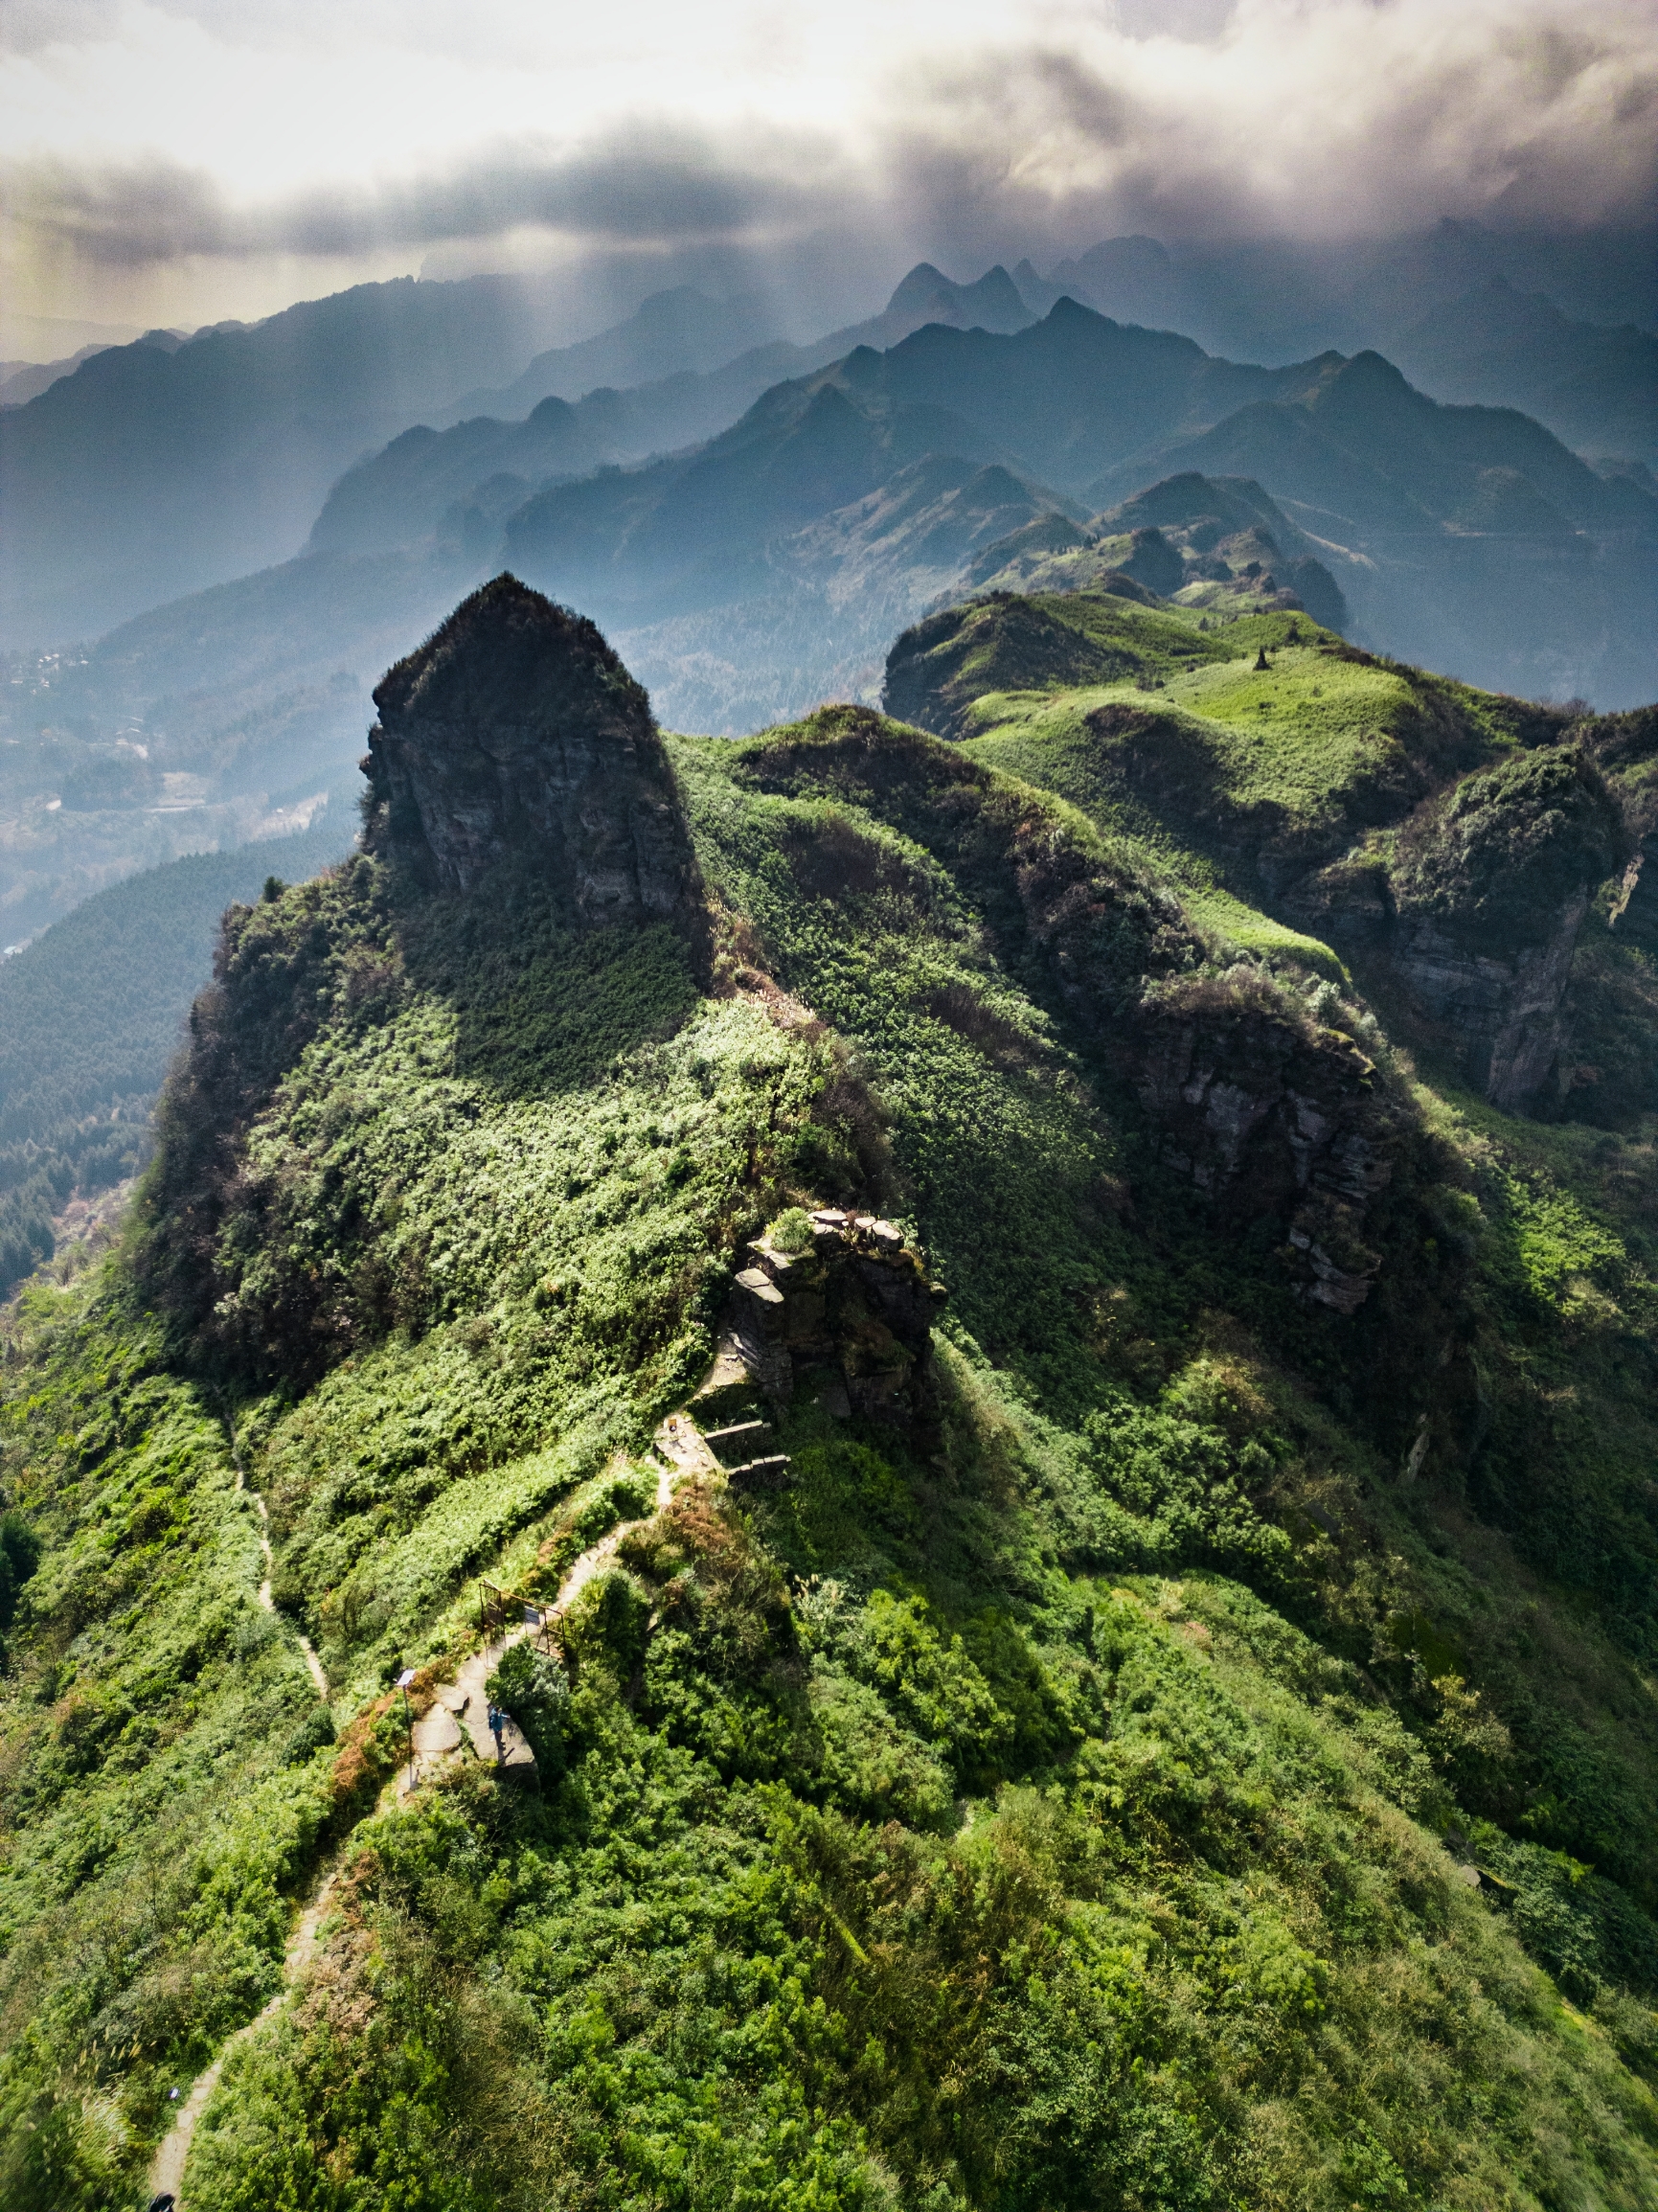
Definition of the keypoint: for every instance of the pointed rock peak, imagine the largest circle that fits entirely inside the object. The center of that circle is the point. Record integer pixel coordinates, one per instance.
(1372, 372)
(918, 286)
(515, 732)
(994, 284)
(1368, 388)
(1067, 310)
(509, 657)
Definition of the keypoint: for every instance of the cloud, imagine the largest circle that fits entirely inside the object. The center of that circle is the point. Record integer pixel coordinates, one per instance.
(1310, 117)
(961, 128)
(655, 184)
(29, 26)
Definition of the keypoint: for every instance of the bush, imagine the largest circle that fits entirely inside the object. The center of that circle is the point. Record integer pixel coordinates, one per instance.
(791, 1231)
(19, 1557)
(606, 1626)
(315, 1731)
(533, 1690)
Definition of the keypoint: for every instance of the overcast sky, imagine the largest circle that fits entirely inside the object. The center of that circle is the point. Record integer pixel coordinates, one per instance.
(177, 160)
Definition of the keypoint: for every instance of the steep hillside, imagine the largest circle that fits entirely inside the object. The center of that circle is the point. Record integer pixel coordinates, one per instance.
(1096, 1523)
(1498, 347)
(91, 1015)
(159, 469)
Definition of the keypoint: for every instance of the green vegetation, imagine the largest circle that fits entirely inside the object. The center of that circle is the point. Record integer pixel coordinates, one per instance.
(1214, 1766)
(90, 1016)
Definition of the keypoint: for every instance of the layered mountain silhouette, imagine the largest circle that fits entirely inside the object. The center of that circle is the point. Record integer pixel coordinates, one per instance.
(1060, 402)
(702, 352)
(179, 462)
(1275, 299)
(1466, 534)
(440, 480)
(165, 465)
(768, 567)
(1596, 388)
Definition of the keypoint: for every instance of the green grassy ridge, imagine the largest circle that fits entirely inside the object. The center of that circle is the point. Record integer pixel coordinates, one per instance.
(1294, 782)
(1032, 1851)
(1025, 1219)
(1256, 767)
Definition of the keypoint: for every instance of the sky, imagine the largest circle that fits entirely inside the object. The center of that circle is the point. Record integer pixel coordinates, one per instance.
(181, 161)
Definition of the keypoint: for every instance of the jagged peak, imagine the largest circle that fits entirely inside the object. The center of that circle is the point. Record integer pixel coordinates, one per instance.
(517, 731)
(510, 655)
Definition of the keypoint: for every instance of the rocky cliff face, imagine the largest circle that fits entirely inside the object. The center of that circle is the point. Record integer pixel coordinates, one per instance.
(1505, 1017)
(1477, 917)
(1267, 1118)
(516, 731)
(847, 1320)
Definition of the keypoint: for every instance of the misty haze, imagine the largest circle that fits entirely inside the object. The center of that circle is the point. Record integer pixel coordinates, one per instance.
(829, 1107)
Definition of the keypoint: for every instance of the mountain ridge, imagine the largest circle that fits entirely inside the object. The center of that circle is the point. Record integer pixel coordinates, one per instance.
(1210, 1671)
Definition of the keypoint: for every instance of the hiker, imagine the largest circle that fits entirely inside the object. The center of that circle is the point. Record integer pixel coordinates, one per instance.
(164, 2202)
(498, 1729)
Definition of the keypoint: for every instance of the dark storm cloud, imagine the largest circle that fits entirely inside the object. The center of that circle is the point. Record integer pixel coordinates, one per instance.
(1306, 121)
(1310, 117)
(640, 186)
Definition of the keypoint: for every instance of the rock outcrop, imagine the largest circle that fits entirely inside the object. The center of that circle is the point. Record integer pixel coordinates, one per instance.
(1268, 1119)
(847, 1320)
(1476, 920)
(1504, 1017)
(515, 730)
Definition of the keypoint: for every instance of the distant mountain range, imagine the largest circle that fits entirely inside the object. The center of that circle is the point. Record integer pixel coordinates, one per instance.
(177, 462)
(461, 482)
(1470, 536)
(679, 338)
(1594, 387)
(173, 463)
(165, 465)
(21, 381)
(1276, 298)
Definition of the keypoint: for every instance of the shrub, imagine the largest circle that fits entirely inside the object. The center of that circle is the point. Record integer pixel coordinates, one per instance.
(791, 1231)
(606, 1626)
(533, 1690)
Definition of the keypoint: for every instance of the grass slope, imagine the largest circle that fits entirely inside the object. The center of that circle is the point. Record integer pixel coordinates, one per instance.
(1086, 1814)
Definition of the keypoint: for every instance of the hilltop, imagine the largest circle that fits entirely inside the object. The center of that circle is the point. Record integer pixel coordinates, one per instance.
(1111, 1457)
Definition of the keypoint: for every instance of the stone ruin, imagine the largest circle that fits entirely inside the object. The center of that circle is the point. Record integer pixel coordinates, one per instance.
(846, 1323)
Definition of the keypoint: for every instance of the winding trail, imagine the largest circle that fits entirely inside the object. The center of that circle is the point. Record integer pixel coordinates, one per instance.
(265, 1599)
(456, 1716)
